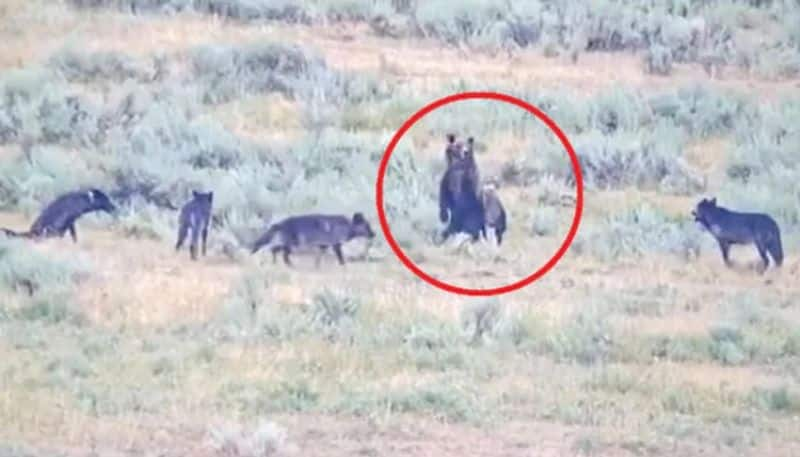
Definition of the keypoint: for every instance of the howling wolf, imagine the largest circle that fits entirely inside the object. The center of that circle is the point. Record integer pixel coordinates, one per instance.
(731, 227)
(195, 216)
(60, 215)
(313, 231)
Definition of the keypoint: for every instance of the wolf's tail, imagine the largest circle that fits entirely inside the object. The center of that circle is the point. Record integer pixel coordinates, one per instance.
(265, 238)
(12, 234)
(775, 248)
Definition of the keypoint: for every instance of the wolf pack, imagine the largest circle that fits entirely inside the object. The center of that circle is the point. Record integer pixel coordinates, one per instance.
(467, 205)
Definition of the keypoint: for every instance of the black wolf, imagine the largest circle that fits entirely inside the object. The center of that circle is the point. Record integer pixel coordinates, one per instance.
(494, 212)
(195, 216)
(459, 199)
(313, 231)
(60, 215)
(730, 227)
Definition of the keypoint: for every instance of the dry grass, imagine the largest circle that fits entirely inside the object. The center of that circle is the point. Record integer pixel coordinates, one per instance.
(345, 46)
(741, 379)
(249, 118)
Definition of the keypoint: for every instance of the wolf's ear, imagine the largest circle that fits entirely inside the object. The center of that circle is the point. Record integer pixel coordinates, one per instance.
(451, 138)
(195, 193)
(470, 141)
(358, 217)
(210, 195)
(714, 201)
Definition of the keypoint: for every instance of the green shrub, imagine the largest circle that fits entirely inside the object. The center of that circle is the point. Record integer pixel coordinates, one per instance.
(638, 231)
(444, 401)
(266, 439)
(457, 23)
(777, 399)
(249, 311)
(703, 112)
(434, 345)
(658, 60)
(752, 331)
(684, 31)
(334, 315)
(101, 66)
(656, 301)
(46, 284)
(726, 344)
(762, 165)
(142, 221)
(586, 338)
(642, 160)
(37, 107)
(410, 199)
(34, 179)
(226, 72)
(544, 221)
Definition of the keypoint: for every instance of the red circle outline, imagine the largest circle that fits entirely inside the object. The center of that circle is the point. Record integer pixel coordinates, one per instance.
(485, 96)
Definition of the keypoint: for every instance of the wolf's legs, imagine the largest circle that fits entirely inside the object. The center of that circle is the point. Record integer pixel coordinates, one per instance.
(772, 245)
(204, 237)
(286, 252)
(182, 231)
(72, 233)
(320, 253)
(725, 247)
(762, 251)
(337, 248)
(193, 243)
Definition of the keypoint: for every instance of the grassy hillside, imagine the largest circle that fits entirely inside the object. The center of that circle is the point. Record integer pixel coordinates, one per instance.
(639, 342)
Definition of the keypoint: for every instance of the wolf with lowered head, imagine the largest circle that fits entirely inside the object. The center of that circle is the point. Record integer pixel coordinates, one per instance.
(313, 231)
(59, 217)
